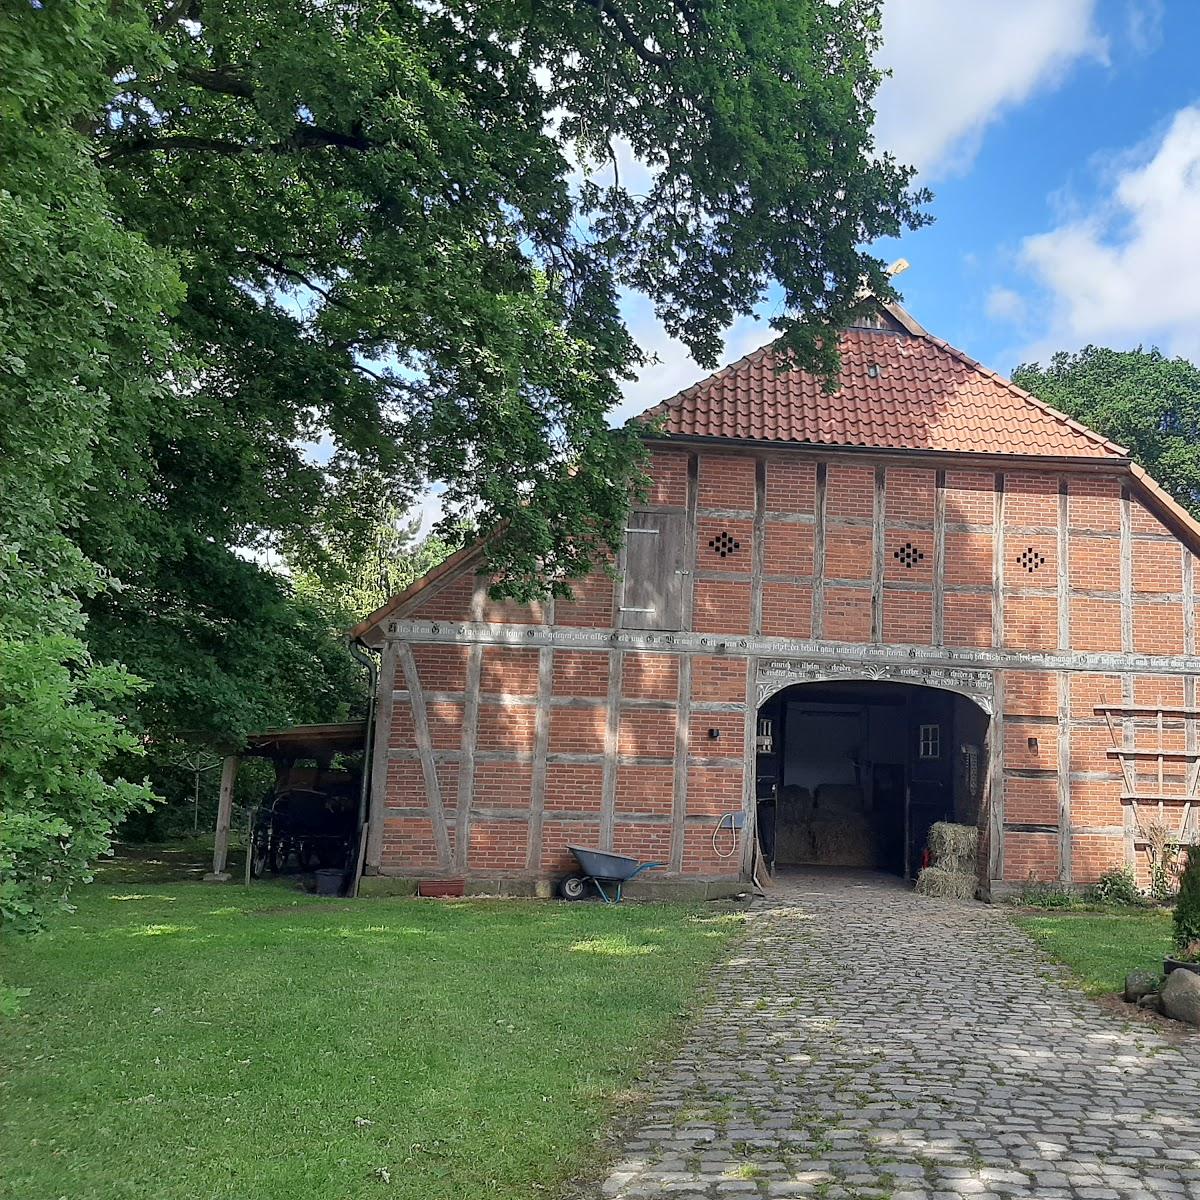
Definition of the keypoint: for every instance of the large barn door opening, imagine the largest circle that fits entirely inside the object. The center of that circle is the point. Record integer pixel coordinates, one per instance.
(853, 774)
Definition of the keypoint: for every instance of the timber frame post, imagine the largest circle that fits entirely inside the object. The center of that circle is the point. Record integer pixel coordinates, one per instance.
(229, 770)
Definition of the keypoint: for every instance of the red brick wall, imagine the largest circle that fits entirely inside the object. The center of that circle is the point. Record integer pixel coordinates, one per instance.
(924, 584)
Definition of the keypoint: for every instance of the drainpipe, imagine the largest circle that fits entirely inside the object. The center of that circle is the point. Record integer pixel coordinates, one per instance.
(358, 649)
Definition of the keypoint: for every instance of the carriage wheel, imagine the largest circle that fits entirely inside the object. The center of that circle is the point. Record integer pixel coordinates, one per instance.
(573, 887)
(259, 854)
(280, 853)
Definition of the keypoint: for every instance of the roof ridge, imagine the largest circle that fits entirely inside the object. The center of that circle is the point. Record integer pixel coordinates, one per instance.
(1029, 397)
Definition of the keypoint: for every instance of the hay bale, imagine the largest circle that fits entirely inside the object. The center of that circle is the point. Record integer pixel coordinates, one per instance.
(954, 847)
(838, 800)
(843, 842)
(947, 885)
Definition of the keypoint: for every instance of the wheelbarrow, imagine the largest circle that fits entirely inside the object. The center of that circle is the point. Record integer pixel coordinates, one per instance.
(598, 868)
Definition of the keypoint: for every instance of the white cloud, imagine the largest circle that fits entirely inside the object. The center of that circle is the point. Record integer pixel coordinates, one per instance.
(1144, 25)
(958, 66)
(1003, 304)
(675, 369)
(1127, 270)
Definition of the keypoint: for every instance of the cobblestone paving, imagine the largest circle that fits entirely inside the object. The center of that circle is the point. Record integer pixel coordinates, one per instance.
(867, 1042)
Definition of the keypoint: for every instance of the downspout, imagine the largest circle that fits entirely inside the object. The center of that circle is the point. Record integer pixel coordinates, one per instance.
(358, 649)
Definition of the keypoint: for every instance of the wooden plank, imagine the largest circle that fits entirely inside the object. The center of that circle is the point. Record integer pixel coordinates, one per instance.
(1127, 752)
(746, 646)
(1153, 797)
(229, 770)
(1133, 710)
(652, 593)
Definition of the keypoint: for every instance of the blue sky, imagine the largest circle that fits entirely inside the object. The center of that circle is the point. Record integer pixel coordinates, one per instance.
(1062, 141)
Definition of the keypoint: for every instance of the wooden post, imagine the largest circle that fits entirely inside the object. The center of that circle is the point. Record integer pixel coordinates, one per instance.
(229, 770)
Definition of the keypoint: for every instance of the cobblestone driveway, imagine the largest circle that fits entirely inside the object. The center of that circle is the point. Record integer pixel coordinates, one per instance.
(864, 1041)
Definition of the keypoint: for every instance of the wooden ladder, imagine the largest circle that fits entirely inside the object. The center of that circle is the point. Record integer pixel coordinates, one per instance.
(1130, 756)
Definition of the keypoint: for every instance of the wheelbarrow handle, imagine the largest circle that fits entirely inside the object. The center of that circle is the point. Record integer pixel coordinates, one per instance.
(650, 866)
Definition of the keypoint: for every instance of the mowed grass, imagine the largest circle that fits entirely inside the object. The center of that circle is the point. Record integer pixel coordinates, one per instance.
(190, 1040)
(1102, 948)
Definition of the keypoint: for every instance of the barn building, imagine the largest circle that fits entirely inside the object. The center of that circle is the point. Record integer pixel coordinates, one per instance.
(837, 618)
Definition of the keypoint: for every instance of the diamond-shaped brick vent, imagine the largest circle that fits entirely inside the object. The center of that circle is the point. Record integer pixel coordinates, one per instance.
(725, 544)
(1030, 559)
(908, 555)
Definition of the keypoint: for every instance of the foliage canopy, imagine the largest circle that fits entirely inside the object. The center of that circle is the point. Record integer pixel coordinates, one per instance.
(1140, 399)
(275, 266)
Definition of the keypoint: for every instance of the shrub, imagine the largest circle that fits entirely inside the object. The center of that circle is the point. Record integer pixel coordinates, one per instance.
(1116, 886)
(1038, 893)
(1187, 907)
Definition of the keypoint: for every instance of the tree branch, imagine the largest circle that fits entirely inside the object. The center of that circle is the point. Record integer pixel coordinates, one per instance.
(174, 11)
(217, 81)
(274, 264)
(302, 137)
(627, 33)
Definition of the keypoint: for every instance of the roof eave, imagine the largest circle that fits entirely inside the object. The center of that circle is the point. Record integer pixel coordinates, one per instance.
(1110, 462)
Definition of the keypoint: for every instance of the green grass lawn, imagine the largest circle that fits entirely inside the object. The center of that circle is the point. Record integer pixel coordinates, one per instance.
(1102, 948)
(191, 1040)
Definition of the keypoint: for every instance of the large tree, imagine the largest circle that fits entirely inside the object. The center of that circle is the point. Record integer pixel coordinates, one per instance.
(81, 339)
(1138, 398)
(387, 241)
(398, 240)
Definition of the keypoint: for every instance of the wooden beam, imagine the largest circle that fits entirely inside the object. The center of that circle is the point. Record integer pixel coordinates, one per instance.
(759, 546)
(818, 593)
(433, 790)
(541, 743)
(939, 558)
(612, 734)
(385, 701)
(229, 770)
(466, 769)
(683, 715)
(998, 562)
(878, 544)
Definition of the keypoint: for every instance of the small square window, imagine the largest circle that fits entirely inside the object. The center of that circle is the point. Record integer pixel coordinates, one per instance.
(930, 741)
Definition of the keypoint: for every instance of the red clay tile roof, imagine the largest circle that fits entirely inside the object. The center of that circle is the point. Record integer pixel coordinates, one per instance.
(896, 390)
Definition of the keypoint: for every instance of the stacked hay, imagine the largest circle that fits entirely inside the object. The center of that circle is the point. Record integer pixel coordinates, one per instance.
(842, 841)
(828, 828)
(953, 875)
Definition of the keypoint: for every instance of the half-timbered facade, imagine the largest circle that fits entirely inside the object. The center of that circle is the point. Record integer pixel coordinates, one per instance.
(925, 595)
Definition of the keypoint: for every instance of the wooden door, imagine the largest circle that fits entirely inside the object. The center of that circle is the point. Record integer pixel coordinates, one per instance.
(655, 563)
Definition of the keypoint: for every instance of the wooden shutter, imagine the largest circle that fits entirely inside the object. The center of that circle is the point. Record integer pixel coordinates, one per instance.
(652, 597)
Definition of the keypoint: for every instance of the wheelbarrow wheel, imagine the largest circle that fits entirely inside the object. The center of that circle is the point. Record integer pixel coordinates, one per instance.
(572, 887)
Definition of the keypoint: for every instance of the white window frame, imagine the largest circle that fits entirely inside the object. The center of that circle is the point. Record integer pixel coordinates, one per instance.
(929, 742)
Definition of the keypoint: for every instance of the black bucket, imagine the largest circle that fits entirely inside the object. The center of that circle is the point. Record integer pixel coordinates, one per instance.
(329, 882)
